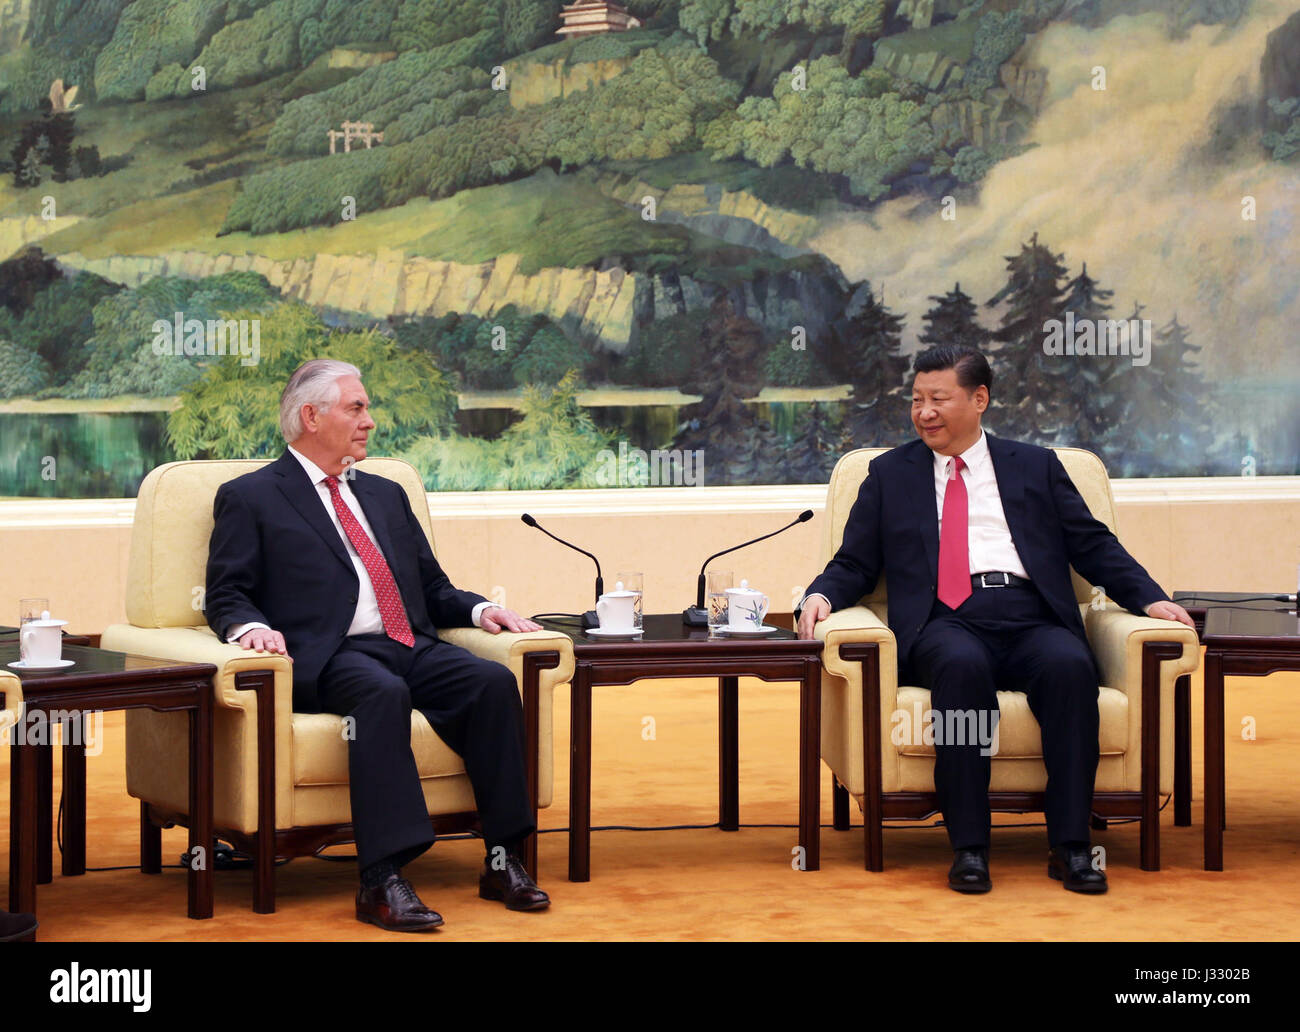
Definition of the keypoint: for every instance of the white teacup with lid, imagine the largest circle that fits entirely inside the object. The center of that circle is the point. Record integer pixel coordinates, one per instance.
(746, 608)
(40, 642)
(617, 610)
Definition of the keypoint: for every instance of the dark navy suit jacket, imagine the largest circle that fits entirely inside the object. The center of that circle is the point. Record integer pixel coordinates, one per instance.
(893, 528)
(276, 558)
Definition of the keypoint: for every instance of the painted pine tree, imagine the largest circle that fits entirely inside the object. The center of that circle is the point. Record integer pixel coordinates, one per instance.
(866, 354)
(952, 321)
(1029, 383)
(814, 451)
(739, 446)
(29, 172)
(1169, 386)
(1094, 390)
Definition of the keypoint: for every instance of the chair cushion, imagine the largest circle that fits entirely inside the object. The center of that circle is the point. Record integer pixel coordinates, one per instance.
(1018, 735)
(320, 750)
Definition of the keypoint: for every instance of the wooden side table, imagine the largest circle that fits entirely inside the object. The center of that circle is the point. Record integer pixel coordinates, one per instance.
(1244, 639)
(99, 680)
(667, 648)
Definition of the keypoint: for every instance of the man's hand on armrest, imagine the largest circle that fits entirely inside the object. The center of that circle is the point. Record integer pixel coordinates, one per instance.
(263, 639)
(1170, 611)
(816, 608)
(495, 619)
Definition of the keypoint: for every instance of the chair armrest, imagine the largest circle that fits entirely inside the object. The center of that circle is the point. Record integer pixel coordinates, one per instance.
(12, 690)
(1117, 637)
(200, 645)
(235, 718)
(508, 648)
(852, 625)
(843, 745)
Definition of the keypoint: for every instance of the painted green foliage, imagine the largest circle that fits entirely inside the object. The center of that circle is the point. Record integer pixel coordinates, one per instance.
(122, 356)
(232, 410)
(53, 328)
(555, 444)
(839, 124)
(150, 35)
(393, 95)
(651, 111)
(713, 19)
(512, 349)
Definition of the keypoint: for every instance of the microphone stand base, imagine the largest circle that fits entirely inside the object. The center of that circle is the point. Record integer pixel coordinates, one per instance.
(590, 620)
(695, 617)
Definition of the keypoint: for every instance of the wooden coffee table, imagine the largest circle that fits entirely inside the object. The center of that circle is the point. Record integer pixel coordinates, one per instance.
(670, 649)
(99, 680)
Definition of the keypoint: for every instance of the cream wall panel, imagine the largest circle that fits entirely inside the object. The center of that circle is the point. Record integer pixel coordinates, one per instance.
(1228, 535)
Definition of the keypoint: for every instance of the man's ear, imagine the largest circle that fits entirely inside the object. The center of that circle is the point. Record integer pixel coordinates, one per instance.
(981, 397)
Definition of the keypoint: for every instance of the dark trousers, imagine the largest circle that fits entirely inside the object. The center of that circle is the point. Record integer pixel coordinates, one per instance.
(474, 706)
(1008, 639)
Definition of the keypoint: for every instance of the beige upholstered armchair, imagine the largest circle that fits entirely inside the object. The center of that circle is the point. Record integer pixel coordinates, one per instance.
(11, 691)
(862, 702)
(281, 778)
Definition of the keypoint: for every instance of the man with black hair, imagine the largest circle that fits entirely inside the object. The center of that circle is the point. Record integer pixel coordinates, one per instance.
(975, 537)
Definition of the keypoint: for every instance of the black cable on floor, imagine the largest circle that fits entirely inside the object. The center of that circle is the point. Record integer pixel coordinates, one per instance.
(242, 861)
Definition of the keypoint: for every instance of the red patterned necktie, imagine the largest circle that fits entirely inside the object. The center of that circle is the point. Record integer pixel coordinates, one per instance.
(396, 626)
(954, 549)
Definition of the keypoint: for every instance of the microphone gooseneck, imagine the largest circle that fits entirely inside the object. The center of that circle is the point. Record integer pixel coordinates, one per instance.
(528, 519)
(698, 616)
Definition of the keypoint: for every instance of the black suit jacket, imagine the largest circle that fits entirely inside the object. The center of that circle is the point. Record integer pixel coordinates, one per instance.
(893, 528)
(276, 558)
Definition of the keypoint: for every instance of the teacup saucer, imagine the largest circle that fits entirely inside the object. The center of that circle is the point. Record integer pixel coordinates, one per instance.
(615, 632)
(61, 664)
(744, 632)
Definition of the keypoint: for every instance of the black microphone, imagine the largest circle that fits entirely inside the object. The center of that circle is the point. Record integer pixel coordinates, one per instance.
(699, 616)
(589, 618)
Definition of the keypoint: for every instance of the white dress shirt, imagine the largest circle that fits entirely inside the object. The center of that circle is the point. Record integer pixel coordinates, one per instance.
(367, 618)
(988, 537)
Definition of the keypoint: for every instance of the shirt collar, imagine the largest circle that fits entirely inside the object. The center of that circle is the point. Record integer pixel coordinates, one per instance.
(975, 456)
(313, 471)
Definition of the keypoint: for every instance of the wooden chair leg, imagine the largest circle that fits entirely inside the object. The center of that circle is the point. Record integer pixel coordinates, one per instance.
(264, 875)
(1183, 752)
(263, 682)
(150, 842)
(873, 843)
(839, 805)
(1153, 654)
(1150, 847)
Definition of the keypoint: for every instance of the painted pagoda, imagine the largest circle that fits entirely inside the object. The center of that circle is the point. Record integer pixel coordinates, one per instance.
(587, 17)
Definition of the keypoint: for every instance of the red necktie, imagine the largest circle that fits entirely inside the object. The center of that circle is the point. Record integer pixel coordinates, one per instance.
(954, 550)
(396, 626)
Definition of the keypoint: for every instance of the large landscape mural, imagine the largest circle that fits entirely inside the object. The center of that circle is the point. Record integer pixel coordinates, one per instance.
(673, 241)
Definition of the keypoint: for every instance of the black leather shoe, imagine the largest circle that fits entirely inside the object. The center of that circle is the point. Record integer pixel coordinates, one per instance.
(395, 907)
(970, 871)
(1074, 867)
(15, 927)
(511, 885)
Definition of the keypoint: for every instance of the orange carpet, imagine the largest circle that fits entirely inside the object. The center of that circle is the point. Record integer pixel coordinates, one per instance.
(708, 884)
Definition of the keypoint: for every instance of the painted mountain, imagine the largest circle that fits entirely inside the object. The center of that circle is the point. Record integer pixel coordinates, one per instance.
(551, 234)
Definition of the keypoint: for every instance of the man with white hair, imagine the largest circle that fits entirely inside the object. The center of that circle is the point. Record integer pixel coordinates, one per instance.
(313, 559)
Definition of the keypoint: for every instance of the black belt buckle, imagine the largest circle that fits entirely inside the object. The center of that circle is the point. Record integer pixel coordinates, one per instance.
(1005, 582)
